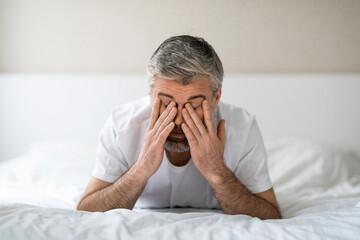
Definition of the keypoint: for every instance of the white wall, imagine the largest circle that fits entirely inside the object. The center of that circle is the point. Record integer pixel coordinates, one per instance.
(97, 38)
(92, 36)
(41, 108)
(45, 108)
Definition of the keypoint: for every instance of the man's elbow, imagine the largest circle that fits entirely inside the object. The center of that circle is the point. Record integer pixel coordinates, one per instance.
(80, 207)
(275, 215)
(279, 216)
(271, 215)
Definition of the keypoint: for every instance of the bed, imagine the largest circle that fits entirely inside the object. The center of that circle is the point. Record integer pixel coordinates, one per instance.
(317, 186)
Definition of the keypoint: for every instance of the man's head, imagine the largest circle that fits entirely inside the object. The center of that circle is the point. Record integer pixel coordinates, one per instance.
(184, 69)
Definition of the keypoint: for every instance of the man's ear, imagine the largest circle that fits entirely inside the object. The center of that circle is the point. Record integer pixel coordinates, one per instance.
(216, 99)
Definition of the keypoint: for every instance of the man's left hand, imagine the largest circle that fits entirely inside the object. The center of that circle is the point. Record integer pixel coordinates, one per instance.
(206, 146)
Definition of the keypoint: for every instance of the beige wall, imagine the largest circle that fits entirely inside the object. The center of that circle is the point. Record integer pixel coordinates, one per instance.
(119, 36)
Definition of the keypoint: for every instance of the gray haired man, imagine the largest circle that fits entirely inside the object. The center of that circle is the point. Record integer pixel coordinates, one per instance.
(172, 148)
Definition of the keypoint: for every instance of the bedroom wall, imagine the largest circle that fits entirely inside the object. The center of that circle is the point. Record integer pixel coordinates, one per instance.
(44, 108)
(54, 108)
(98, 38)
(120, 36)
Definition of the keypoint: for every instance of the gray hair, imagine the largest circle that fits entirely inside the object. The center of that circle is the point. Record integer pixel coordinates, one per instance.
(184, 58)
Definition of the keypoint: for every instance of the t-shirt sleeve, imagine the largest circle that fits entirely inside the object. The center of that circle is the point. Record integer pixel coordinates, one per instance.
(110, 161)
(252, 170)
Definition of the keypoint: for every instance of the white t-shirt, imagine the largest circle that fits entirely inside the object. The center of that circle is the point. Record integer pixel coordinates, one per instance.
(120, 143)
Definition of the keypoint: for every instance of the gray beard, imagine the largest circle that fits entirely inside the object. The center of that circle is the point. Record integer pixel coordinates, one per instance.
(176, 146)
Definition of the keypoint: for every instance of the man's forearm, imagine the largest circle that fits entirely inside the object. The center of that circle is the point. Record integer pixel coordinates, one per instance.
(234, 198)
(121, 194)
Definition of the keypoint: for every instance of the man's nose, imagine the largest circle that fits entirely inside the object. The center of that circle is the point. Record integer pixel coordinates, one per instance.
(179, 118)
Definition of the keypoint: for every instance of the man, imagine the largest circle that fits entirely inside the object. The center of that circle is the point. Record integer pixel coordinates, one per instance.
(174, 148)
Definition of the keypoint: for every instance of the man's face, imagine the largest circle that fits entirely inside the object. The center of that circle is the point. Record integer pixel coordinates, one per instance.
(193, 93)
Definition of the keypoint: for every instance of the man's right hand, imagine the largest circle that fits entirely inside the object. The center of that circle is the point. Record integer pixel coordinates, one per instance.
(152, 151)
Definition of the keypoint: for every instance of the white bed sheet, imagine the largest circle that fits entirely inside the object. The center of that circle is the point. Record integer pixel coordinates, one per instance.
(317, 186)
(21, 221)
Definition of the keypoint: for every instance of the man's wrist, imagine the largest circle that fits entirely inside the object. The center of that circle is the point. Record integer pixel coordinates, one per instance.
(220, 176)
(140, 172)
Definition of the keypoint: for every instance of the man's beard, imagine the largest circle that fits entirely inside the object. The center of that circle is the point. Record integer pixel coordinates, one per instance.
(173, 144)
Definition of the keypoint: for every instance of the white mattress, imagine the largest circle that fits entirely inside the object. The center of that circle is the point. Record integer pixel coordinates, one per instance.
(317, 187)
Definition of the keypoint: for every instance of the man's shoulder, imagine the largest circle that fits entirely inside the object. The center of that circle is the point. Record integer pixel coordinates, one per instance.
(132, 114)
(237, 119)
(239, 134)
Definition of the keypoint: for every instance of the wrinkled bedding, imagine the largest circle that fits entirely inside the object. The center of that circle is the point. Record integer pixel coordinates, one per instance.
(317, 187)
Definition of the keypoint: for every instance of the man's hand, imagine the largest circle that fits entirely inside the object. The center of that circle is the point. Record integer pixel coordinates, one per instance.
(206, 147)
(152, 151)
(103, 196)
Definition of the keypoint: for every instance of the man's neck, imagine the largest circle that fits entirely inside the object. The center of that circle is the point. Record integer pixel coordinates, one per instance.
(178, 158)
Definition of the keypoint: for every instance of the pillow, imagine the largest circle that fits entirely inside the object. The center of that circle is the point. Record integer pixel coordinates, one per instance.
(312, 169)
(51, 174)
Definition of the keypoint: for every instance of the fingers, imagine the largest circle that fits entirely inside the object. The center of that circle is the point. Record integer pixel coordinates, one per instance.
(208, 117)
(163, 116)
(189, 135)
(169, 118)
(196, 119)
(190, 123)
(155, 113)
(165, 133)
